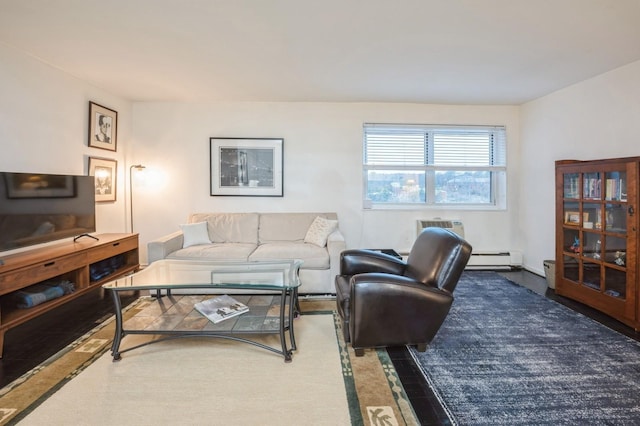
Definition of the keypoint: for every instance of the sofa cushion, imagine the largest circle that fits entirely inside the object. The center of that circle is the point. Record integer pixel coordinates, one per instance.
(314, 257)
(194, 234)
(229, 227)
(276, 227)
(215, 251)
(320, 230)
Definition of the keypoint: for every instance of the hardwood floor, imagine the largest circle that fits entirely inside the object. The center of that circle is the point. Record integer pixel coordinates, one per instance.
(33, 342)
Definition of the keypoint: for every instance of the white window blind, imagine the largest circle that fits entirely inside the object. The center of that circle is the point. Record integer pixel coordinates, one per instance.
(439, 146)
(431, 165)
(397, 148)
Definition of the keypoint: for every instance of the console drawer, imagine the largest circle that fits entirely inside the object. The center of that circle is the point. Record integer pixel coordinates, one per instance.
(112, 249)
(42, 271)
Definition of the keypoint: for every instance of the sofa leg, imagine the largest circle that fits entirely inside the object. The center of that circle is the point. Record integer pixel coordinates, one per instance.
(421, 347)
(359, 351)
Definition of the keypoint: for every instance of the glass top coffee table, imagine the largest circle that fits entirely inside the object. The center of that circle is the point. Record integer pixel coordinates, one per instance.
(271, 308)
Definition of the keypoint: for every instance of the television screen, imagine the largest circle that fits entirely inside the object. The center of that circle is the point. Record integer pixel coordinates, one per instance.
(38, 208)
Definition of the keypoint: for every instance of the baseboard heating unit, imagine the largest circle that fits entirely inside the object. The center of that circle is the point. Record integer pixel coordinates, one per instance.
(481, 260)
(495, 261)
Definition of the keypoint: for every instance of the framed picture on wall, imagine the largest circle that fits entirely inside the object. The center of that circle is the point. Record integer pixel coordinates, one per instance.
(103, 127)
(246, 167)
(104, 171)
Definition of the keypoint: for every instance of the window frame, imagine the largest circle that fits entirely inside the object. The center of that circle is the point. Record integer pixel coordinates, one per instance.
(498, 170)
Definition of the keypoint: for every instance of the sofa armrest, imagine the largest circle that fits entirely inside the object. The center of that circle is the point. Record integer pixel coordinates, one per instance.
(160, 248)
(336, 244)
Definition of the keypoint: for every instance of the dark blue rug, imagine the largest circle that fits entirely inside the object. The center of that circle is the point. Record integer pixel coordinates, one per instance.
(508, 356)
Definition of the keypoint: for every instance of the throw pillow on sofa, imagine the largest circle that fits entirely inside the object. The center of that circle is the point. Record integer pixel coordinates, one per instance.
(320, 230)
(195, 234)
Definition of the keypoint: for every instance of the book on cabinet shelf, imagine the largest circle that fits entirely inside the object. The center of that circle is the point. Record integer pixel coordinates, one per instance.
(615, 190)
(571, 187)
(591, 188)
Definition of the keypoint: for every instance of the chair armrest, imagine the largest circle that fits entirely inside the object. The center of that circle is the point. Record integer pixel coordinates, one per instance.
(357, 261)
(368, 287)
(161, 247)
(336, 244)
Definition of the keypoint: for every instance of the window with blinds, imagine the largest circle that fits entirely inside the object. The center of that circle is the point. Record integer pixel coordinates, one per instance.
(434, 165)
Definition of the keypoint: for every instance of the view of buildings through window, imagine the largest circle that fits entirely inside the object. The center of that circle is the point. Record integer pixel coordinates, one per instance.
(429, 165)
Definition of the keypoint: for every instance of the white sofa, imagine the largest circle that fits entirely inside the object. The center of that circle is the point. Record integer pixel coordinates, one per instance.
(260, 236)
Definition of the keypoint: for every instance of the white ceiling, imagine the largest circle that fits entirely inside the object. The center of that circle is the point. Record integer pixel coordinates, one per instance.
(425, 51)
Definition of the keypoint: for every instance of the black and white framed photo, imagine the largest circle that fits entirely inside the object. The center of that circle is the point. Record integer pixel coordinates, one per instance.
(246, 166)
(104, 171)
(103, 127)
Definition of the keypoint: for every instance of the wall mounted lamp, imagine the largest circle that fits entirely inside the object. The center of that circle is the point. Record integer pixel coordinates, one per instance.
(138, 167)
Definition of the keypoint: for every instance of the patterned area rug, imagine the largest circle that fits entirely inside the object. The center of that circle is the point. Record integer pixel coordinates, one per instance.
(373, 390)
(506, 355)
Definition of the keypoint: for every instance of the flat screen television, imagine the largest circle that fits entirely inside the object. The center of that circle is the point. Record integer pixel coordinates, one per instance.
(37, 208)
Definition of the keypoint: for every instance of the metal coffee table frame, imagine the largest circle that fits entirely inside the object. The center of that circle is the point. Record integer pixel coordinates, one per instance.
(158, 277)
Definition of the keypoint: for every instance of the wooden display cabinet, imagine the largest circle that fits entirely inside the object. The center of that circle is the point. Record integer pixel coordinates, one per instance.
(597, 235)
(87, 263)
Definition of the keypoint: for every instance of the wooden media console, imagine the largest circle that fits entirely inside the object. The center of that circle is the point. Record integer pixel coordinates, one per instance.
(85, 264)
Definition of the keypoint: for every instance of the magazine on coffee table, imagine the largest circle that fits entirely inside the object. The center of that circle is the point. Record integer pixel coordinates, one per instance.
(221, 308)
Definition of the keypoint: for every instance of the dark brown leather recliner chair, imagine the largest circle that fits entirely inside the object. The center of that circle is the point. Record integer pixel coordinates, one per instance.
(384, 301)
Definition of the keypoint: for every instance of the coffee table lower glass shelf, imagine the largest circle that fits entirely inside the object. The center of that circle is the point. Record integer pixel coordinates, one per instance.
(174, 316)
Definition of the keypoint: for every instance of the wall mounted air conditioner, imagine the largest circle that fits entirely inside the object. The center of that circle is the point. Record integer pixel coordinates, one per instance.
(489, 260)
(452, 225)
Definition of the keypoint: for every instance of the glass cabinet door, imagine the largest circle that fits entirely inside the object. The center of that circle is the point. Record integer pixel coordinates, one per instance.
(594, 221)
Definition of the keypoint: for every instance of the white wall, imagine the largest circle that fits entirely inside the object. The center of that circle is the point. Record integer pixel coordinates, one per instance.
(322, 165)
(597, 118)
(44, 125)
